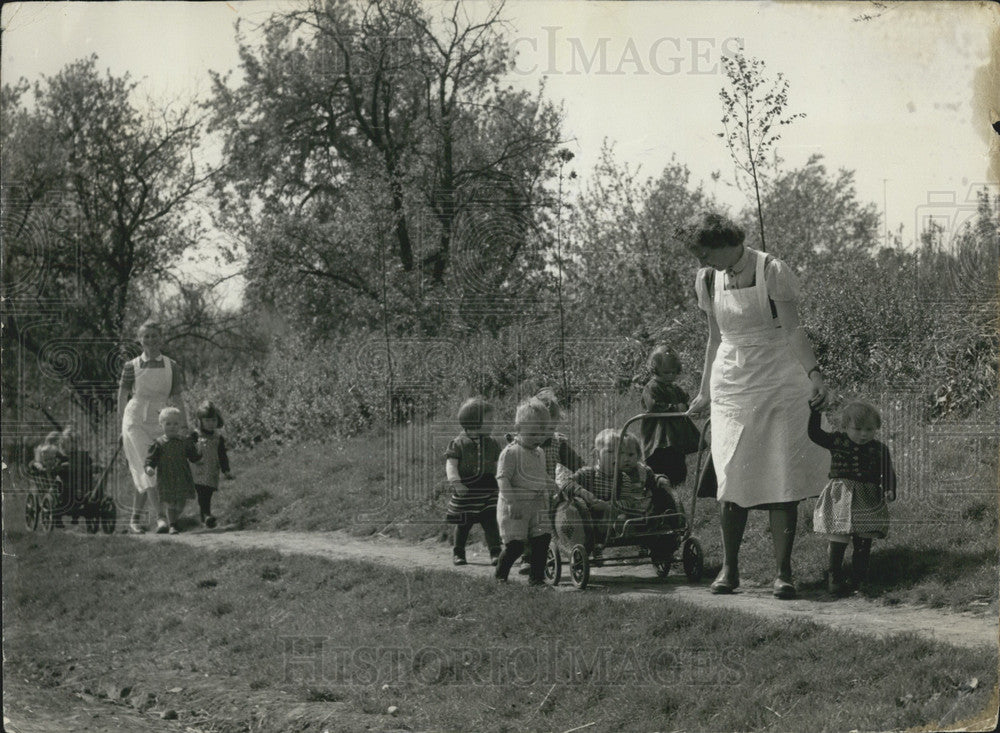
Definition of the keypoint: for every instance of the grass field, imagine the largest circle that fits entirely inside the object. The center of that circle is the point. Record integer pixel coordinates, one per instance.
(942, 549)
(254, 641)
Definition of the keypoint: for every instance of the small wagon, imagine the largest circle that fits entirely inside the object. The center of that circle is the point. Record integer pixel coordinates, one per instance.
(52, 496)
(655, 538)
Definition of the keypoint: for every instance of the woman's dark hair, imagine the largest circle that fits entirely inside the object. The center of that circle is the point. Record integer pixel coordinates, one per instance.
(208, 409)
(714, 231)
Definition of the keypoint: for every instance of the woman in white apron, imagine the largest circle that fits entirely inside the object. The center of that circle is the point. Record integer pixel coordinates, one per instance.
(149, 383)
(760, 378)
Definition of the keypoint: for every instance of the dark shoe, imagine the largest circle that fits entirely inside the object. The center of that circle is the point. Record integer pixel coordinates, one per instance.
(162, 527)
(722, 585)
(210, 521)
(457, 560)
(536, 583)
(783, 589)
(597, 556)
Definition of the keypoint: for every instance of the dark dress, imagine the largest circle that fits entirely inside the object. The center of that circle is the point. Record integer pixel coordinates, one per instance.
(170, 456)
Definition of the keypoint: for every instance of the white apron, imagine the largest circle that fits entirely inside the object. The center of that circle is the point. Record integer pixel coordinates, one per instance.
(760, 404)
(140, 421)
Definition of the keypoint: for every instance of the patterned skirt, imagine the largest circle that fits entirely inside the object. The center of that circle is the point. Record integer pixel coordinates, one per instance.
(471, 500)
(847, 507)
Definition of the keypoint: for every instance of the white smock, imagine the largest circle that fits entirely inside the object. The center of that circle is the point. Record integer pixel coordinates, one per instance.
(760, 404)
(140, 420)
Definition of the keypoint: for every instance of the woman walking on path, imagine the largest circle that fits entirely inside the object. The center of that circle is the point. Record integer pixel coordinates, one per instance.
(149, 383)
(760, 379)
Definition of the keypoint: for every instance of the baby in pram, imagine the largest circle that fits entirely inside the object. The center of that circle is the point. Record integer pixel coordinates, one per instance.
(642, 494)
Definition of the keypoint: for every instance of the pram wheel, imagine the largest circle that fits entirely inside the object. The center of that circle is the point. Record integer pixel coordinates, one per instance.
(579, 566)
(31, 512)
(553, 564)
(46, 514)
(693, 558)
(108, 514)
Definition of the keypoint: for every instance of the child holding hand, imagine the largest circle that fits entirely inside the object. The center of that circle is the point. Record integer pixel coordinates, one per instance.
(525, 491)
(852, 506)
(168, 460)
(471, 468)
(214, 459)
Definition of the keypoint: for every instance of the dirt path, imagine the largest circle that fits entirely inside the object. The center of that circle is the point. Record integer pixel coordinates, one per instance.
(638, 583)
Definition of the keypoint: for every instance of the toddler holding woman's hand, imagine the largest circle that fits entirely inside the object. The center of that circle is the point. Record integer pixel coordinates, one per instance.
(168, 460)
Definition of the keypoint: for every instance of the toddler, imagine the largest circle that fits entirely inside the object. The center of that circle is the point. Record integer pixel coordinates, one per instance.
(214, 459)
(47, 456)
(168, 460)
(525, 490)
(640, 490)
(853, 506)
(471, 468)
(665, 441)
(560, 458)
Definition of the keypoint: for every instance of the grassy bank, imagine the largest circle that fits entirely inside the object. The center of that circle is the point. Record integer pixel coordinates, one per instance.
(255, 641)
(942, 549)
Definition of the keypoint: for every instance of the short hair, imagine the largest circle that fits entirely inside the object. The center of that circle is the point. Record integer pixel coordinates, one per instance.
(606, 439)
(714, 231)
(663, 355)
(857, 414)
(168, 412)
(632, 440)
(149, 325)
(208, 409)
(532, 410)
(68, 434)
(547, 396)
(472, 413)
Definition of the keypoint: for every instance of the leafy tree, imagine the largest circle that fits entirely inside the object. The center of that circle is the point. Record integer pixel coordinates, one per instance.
(814, 216)
(370, 141)
(96, 195)
(628, 272)
(753, 110)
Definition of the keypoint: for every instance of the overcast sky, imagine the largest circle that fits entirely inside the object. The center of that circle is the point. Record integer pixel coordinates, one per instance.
(892, 97)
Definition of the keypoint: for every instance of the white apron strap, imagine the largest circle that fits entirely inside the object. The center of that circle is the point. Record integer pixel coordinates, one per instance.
(762, 300)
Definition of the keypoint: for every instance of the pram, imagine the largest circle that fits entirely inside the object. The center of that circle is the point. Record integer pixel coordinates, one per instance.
(52, 496)
(655, 538)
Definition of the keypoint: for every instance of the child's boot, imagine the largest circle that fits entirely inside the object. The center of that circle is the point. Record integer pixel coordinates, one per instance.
(458, 556)
(539, 546)
(511, 551)
(860, 561)
(835, 582)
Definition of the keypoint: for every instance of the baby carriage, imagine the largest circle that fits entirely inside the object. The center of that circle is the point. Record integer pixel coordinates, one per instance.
(655, 538)
(70, 491)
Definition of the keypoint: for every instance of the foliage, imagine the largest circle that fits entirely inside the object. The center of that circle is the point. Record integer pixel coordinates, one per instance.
(627, 273)
(753, 109)
(374, 158)
(811, 212)
(96, 191)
